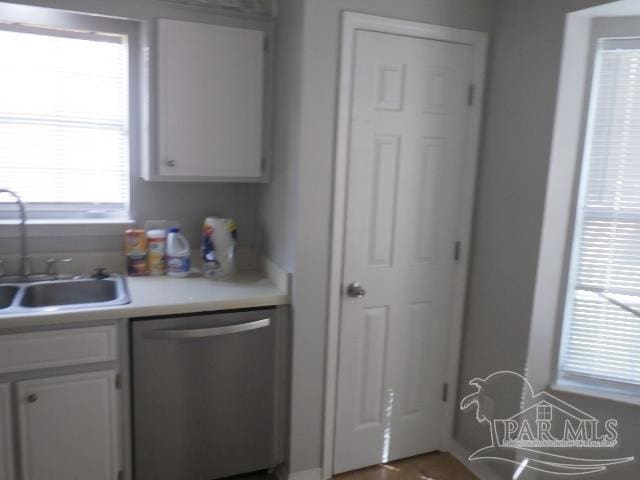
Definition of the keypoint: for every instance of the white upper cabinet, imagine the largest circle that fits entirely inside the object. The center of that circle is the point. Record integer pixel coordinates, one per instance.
(210, 103)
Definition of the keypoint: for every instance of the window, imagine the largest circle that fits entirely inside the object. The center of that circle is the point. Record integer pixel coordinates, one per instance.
(64, 121)
(544, 413)
(601, 336)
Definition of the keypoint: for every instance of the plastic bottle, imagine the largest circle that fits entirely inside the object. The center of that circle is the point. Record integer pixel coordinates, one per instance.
(218, 247)
(178, 254)
(224, 237)
(209, 263)
(157, 240)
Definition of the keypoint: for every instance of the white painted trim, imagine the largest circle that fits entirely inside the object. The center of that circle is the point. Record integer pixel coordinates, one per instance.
(545, 324)
(594, 392)
(66, 228)
(311, 474)
(564, 166)
(481, 470)
(281, 472)
(478, 40)
(557, 225)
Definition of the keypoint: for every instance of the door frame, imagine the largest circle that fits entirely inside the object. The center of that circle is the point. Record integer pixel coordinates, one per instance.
(351, 23)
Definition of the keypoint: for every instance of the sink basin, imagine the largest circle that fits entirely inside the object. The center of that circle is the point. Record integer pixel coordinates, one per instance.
(7, 294)
(53, 295)
(73, 292)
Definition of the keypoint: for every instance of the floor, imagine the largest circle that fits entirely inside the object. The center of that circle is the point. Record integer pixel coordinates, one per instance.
(432, 466)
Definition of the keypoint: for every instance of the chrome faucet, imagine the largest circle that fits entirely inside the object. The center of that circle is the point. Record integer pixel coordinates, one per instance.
(25, 264)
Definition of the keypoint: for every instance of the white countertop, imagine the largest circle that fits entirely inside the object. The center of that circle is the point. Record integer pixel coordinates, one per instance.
(157, 296)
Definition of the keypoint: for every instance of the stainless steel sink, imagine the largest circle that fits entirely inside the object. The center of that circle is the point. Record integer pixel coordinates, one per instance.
(63, 295)
(69, 293)
(7, 294)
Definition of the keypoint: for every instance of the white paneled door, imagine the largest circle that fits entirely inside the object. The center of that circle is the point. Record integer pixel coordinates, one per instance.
(409, 127)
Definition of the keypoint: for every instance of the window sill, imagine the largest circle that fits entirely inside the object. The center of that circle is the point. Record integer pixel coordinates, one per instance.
(597, 393)
(67, 228)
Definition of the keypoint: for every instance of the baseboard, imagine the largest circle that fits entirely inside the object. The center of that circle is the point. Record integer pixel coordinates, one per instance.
(281, 472)
(481, 470)
(311, 474)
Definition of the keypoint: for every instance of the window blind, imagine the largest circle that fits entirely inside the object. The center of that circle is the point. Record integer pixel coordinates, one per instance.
(64, 132)
(601, 339)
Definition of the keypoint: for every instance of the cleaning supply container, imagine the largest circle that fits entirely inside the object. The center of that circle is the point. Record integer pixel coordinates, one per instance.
(218, 249)
(157, 241)
(178, 254)
(135, 247)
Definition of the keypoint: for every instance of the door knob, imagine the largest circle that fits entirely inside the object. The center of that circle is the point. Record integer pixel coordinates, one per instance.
(32, 398)
(355, 290)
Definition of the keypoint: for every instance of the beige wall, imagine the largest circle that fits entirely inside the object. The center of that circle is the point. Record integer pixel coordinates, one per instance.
(277, 212)
(518, 127)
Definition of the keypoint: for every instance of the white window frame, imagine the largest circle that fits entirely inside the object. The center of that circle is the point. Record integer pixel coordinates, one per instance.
(572, 379)
(44, 18)
(559, 221)
(544, 413)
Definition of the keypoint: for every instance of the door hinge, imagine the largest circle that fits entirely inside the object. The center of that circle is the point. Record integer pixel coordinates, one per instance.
(118, 381)
(456, 251)
(266, 44)
(471, 93)
(445, 392)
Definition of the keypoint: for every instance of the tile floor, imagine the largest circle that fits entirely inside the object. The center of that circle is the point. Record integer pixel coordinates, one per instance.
(432, 466)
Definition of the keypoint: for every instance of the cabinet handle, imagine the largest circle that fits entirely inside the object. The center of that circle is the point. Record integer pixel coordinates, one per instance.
(32, 398)
(171, 163)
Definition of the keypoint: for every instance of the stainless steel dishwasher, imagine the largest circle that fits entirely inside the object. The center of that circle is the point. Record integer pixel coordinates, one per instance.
(204, 395)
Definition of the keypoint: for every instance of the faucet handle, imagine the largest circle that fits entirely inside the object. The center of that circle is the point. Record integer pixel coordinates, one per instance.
(100, 273)
(52, 265)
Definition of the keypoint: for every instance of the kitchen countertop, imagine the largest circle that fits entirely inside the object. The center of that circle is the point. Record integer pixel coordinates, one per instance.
(157, 296)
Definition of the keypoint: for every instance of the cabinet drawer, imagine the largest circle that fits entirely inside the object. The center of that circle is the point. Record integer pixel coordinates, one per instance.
(56, 348)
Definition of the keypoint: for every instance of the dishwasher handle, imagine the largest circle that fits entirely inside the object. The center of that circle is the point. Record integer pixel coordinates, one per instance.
(182, 334)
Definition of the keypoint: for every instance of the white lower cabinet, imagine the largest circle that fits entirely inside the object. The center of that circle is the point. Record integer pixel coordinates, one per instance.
(61, 404)
(68, 427)
(6, 439)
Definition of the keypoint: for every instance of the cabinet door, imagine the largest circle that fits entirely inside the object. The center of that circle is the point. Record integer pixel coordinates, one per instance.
(210, 100)
(6, 440)
(68, 427)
